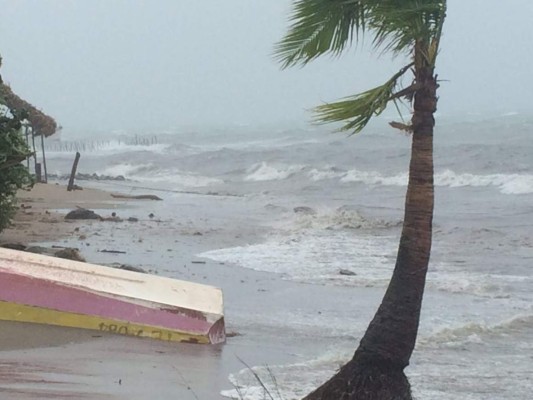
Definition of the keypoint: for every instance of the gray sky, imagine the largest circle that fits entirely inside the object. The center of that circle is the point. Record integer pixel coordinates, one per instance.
(131, 64)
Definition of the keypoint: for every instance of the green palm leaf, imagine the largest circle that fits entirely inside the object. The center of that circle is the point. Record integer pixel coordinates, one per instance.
(359, 109)
(329, 26)
(319, 27)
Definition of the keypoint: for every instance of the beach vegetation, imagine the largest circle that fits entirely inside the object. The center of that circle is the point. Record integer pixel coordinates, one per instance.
(13, 151)
(409, 29)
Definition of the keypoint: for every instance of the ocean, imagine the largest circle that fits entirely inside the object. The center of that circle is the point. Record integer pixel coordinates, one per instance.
(288, 208)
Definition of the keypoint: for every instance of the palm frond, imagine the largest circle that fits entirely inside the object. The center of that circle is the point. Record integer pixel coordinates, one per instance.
(359, 109)
(398, 24)
(319, 27)
(329, 26)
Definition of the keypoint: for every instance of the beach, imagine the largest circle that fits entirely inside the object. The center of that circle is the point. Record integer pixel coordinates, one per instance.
(53, 362)
(272, 217)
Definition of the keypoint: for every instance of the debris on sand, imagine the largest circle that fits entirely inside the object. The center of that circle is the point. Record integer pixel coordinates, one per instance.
(82, 213)
(347, 272)
(304, 210)
(14, 246)
(137, 197)
(70, 254)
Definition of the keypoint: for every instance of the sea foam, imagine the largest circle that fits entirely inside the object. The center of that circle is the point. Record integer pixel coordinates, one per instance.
(266, 172)
(151, 173)
(505, 183)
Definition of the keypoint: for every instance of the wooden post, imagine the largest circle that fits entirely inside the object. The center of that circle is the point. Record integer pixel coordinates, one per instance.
(27, 144)
(38, 173)
(44, 159)
(34, 151)
(73, 173)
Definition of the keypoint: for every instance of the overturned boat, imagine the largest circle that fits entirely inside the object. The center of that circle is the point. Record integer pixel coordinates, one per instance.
(53, 291)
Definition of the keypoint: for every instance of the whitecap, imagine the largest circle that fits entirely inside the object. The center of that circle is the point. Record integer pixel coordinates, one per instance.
(265, 172)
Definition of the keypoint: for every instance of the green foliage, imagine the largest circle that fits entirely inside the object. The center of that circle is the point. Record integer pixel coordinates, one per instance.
(359, 109)
(13, 174)
(330, 26)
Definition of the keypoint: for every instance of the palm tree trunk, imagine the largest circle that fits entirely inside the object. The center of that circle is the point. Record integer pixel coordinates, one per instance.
(376, 370)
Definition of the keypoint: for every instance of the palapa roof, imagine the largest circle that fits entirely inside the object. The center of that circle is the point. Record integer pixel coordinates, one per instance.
(41, 123)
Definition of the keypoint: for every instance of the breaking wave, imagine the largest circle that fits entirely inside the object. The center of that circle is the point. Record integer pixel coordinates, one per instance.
(265, 172)
(325, 173)
(344, 217)
(506, 183)
(374, 178)
(475, 332)
(152, 173)
(317, 258)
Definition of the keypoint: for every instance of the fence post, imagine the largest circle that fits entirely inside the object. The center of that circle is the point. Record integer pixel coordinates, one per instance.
(38, 173)
(73, 172)
(44, 159)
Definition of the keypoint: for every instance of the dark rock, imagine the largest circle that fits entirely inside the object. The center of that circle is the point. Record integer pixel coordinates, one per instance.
(82, 213)
(347, 272)
(131, 268)
(69, 254)
(40, 250)
(304, 210)
(133, 219)
(14, 246)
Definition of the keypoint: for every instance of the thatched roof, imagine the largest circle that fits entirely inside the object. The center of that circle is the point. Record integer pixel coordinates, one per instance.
(41, 123)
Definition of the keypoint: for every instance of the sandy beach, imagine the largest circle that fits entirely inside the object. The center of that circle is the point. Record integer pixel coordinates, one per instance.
(52, 362)
(272, 220)
(40, 217)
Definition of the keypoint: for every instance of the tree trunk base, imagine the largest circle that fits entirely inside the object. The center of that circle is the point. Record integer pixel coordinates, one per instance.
(364, 381)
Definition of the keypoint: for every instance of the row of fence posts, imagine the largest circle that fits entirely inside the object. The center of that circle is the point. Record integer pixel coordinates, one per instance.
(39, 168)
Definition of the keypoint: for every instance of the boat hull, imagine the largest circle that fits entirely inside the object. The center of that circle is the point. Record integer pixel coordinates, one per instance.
(46, 290)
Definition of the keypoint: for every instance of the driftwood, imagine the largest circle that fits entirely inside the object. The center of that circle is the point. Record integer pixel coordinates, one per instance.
(112, 251)
(138, 197)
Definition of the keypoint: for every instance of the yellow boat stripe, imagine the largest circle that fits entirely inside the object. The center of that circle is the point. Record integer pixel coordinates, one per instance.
(23, 313)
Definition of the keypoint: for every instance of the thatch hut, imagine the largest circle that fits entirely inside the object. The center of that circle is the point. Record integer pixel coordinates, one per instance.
(41, 123)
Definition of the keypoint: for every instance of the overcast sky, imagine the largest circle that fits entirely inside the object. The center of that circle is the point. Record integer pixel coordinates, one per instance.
(131, 64)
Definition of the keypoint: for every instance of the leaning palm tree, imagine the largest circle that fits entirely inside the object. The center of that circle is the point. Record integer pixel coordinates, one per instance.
(404, 27)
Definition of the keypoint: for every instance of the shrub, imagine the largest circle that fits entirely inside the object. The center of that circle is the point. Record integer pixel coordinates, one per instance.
(13, 174)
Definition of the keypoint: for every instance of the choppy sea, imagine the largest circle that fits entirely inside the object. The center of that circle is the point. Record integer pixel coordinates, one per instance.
(327, 202)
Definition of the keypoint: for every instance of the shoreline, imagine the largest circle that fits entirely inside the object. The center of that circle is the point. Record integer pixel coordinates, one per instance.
(89, 365)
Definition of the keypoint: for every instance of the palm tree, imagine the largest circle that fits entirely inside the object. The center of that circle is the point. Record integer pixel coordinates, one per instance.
(403, 27)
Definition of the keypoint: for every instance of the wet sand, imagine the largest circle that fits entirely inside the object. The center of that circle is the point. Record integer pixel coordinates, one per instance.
(39, 362)
(39, 217)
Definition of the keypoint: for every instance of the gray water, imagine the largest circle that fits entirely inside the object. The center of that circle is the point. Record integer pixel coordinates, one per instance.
(476, 333)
